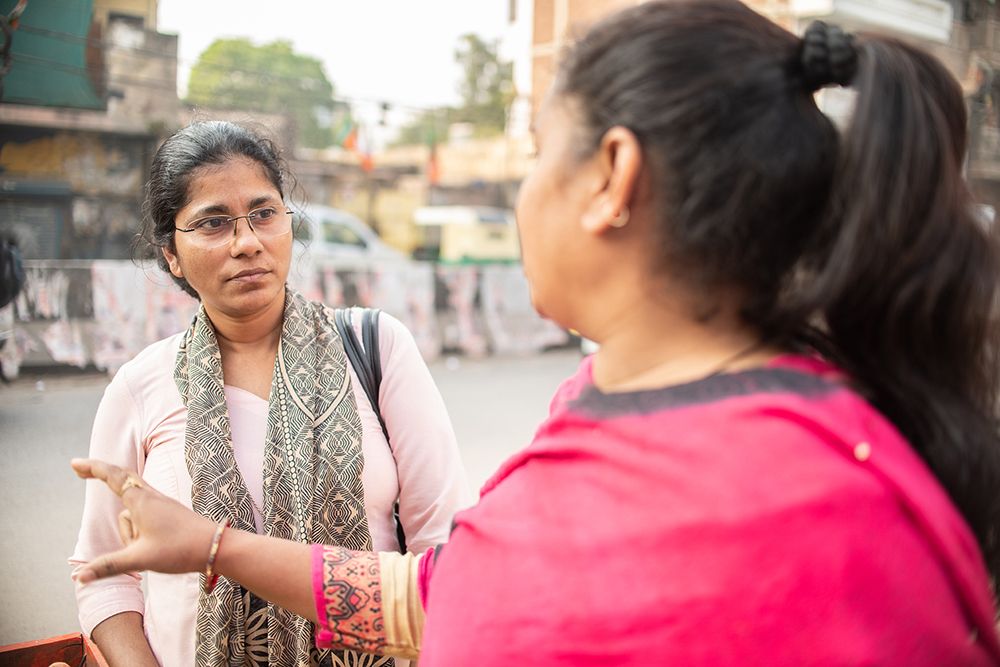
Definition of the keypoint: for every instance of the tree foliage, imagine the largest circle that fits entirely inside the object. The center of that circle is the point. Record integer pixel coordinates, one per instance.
(430, 127)
(486, 87)
(271, 78)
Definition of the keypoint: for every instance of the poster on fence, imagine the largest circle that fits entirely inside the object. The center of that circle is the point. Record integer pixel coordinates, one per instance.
(105, 312)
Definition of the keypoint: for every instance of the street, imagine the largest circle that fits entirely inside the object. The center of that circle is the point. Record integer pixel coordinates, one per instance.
(495, 404)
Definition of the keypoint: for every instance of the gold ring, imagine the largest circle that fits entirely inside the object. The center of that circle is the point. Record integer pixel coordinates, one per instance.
(129, 483)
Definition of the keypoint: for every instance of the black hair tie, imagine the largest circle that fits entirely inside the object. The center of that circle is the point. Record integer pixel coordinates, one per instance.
(828, 56)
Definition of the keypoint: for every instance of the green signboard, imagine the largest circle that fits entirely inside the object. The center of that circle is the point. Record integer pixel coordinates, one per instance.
(56, 59)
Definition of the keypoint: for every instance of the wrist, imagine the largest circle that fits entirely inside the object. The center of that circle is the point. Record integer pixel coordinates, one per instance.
(211, 574)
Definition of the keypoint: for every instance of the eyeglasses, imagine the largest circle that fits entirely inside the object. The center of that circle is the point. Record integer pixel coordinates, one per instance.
(215, 230)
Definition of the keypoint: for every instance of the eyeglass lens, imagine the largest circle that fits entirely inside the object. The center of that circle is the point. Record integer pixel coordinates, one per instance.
(266, 222)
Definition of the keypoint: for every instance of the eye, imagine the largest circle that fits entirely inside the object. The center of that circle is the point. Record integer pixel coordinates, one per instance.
(265, 213)
(210, 224)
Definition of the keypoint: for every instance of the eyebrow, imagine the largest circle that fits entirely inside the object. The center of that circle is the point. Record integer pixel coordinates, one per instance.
(219, 209)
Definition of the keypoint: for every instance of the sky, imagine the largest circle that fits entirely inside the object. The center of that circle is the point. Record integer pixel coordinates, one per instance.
(397, 51)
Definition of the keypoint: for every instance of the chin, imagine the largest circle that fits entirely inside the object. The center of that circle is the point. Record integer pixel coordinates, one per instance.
(536, 302)
(553, 315)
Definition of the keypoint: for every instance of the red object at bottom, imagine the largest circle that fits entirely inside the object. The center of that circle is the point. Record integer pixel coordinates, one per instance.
(75, 650)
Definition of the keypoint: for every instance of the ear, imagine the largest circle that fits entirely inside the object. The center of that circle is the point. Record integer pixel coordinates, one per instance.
(619, 162)
(175, 266)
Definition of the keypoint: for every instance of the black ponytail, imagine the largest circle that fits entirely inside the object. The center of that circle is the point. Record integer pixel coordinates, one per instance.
(866, 247)
(907, 282)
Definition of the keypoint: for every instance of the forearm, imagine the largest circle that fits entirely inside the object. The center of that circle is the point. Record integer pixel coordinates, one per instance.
(123, 642)
(276, 570)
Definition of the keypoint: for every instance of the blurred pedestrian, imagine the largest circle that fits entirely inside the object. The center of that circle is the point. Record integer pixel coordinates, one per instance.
(785, 450)
(11, 282)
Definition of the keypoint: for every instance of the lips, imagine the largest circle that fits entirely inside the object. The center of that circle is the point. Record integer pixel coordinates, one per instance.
(249, 275)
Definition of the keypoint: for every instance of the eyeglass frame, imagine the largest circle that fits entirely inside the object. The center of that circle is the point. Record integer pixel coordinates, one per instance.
(233, 219)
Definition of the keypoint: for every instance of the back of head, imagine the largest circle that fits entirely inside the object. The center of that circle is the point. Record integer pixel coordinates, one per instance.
(864, 246)
(742, 158)
(198, 145)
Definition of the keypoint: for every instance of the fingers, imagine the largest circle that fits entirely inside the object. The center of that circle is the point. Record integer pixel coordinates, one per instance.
(108, 473)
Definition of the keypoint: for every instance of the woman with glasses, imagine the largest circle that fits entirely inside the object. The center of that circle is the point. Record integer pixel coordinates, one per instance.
(254, 416)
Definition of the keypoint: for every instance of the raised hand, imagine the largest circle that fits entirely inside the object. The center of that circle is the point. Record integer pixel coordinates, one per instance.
(159, 533)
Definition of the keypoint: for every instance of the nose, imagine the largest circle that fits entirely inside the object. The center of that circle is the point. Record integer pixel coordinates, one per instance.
(244, 243)
(236, 223)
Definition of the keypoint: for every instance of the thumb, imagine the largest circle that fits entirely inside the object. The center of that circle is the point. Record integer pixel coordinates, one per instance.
(108, 565)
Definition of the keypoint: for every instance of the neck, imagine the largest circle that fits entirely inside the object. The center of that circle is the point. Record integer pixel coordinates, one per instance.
(652, 343)
(258, 331)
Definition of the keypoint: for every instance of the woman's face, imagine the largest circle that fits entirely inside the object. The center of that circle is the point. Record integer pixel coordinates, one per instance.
(247, 273)
(550, 204)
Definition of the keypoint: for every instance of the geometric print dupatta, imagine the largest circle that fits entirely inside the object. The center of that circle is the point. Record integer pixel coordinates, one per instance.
(312, 479)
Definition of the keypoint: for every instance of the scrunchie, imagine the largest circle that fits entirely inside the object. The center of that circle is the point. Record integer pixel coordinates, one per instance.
(828, 56)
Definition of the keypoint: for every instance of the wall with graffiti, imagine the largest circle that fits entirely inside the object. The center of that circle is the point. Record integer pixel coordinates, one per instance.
(102, 313)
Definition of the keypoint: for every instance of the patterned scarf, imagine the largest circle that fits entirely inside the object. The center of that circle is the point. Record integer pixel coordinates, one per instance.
(312, 479)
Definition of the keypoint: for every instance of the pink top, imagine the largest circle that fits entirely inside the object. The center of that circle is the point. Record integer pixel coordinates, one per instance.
(768, 516)
(140, 424)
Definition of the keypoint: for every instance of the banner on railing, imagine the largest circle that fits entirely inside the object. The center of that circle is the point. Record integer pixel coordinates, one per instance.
(103, 313)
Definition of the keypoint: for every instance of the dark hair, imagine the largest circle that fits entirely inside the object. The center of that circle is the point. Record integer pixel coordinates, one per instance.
(865, 247)
(197, 145)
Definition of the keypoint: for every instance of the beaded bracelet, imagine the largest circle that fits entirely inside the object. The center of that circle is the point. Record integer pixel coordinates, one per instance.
(210, 577)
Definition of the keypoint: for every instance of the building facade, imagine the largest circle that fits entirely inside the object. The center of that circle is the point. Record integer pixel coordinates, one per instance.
(964, 34)
(72, 169)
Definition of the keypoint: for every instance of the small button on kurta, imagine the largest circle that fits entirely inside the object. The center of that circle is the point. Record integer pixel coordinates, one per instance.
(862, 451)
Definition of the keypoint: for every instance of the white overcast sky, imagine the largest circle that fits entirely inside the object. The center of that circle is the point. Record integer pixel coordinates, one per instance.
(399, 51)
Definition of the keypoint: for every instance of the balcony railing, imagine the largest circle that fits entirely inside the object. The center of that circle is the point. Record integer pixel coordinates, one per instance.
(984, 141)
(927, 19)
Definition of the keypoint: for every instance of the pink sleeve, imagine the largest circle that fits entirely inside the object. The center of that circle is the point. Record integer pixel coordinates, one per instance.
(115, 438)
(324, 637)
(432, 481)
(427, 564)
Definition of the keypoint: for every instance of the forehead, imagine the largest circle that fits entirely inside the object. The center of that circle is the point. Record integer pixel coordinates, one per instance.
(233, 178)
(552, 110)
(559, 129)
(559, 114)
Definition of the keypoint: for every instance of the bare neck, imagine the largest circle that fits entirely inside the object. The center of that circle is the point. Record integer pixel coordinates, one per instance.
(648, 342)
(240, 333)
(248, 345)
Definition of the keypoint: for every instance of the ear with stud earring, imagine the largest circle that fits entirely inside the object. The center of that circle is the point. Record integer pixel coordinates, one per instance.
(621, 219)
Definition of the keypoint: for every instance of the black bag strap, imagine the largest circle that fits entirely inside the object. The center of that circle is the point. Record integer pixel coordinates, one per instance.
(369, 334)
(365, 360)
(367, 364)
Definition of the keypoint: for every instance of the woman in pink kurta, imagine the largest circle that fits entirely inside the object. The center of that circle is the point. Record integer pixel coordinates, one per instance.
(724, 521)
(786, 449)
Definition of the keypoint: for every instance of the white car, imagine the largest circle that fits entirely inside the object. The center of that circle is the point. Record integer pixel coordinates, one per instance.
(323, 232)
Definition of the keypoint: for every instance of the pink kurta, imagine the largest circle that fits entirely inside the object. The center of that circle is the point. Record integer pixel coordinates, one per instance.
(765, 517)
(140, 424)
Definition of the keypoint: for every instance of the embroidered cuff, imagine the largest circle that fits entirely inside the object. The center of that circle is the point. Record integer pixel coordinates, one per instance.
(348, 597)
(366, 601)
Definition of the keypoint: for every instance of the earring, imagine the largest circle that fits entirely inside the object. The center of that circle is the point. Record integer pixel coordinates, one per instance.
(621, 219)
